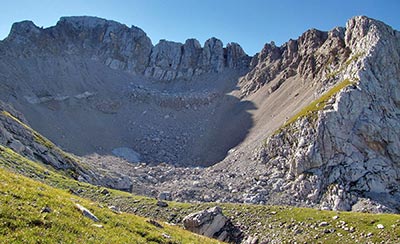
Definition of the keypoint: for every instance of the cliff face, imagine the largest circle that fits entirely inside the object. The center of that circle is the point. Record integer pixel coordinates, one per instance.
(310, 57)
(350, 147)
(124, 48)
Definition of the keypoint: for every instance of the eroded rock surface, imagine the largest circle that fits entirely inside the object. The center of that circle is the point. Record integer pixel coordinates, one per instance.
(212, 223)
(123, 48)
(346, 152)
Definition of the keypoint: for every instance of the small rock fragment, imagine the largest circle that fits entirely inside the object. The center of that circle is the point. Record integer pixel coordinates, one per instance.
(155, 223)
(115, 209)
(162, 204)
(324, 223)
(165, 196)
(46, 209)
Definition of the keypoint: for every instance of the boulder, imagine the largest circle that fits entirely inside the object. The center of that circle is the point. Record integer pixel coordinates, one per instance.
(213, 223)
(165, 196)
(127, 153)
(87, 212)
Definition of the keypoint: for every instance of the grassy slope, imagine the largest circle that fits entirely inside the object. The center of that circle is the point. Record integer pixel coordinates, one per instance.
(319, 104)
(21, 220)
(311, 110)
(278, 222)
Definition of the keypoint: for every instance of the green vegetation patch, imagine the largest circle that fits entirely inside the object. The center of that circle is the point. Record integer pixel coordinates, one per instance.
(32, 212)
(312, 109)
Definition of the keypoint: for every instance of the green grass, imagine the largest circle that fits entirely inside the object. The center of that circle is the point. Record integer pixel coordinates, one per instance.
(277, 221)
(21, 219)
(311, 110)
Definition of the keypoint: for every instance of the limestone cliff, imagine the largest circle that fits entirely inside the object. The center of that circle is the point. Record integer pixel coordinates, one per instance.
(311, 56)
(349, 149)
(124, 48)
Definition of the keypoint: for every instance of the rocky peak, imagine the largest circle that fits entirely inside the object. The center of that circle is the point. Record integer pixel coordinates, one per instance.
(311, 40)
(191, 51)
(25, 27)
(235, 56)
(342, 153)
(213, 55)
(307, 57)
(22, 32)
(86, 22)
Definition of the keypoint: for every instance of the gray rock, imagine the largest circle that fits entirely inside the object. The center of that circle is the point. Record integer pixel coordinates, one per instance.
(17, 146)
(115, 209)
(123, 48)
(212, 56)
(165, 196)
(127, 153)
(162, 204)
(350, 143)
(235, 56)
(116, 181)
(212, 223)
(86, 212)
(46, 209)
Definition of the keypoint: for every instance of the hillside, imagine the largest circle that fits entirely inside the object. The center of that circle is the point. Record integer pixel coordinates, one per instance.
(33, 212)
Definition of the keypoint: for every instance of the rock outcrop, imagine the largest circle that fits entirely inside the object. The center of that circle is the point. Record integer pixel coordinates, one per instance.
(212, 223)
(349, 149)
(15, 134)
(172, 60)
(124, 48)
(310, 57)
(18, 136)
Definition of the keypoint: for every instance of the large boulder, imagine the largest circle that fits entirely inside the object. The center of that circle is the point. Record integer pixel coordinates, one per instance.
(212, 223)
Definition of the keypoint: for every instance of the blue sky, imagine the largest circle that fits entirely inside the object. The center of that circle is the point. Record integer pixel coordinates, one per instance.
(251, 23)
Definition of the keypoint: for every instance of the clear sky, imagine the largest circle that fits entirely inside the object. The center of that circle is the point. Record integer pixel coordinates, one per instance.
(251, 23)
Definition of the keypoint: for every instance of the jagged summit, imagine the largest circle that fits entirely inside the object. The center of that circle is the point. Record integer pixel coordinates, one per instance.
(89, 22)
(129, 49)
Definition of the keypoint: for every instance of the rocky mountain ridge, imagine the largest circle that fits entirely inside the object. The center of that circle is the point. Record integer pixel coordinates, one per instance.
(124, 48)
(290, 144)
(311, 56)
